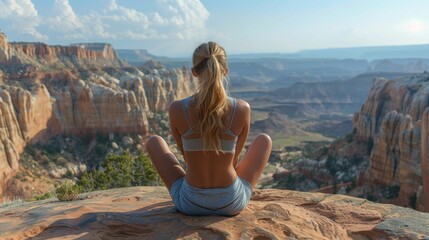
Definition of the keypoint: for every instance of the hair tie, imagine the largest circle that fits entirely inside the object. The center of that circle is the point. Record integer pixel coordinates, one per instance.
(201, 65)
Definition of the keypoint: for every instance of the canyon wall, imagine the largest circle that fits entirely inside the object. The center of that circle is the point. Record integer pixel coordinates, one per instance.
(97, 94)
(394, 120)
(5, 51)
(44, 56)
(425, 158)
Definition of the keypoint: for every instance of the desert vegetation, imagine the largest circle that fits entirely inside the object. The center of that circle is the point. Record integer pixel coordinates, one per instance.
(116, 171)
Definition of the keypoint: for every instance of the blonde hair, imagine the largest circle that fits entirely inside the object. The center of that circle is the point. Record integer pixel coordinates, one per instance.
(210, 66)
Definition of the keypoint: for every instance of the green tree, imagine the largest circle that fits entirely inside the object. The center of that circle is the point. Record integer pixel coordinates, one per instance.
(119, 171)
(144, 172)
(68, 191)
(331, 165)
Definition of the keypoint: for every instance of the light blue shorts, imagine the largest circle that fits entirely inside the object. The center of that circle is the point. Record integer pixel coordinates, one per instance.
(227, 201)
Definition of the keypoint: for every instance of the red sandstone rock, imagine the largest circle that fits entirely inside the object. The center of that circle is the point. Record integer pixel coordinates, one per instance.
(391, 116)
(148, 213)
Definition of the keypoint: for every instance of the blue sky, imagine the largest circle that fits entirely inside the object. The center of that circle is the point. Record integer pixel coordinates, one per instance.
(176, 27)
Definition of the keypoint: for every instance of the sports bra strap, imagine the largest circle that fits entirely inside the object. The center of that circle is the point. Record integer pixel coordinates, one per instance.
(185, 109)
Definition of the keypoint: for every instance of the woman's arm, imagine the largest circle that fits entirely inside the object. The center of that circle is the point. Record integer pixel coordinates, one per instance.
(174, 110)
(243, 117)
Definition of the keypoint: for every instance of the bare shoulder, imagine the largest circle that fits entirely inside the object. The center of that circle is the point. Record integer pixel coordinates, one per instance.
(242, 110)
(174, 108)
(243, 106)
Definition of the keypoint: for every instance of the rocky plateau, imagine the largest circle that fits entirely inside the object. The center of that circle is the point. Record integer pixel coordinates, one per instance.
(148, 213)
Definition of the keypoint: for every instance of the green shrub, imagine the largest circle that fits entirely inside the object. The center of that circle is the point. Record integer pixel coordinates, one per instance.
(100, 150)
(87, 181)
(331, 165)
(14, 202)
(391, 192)
(413, 201)
(52, 148)
(42, 197)
(30, 150)
(69, 174)
(144, 173)
(68, 191)
(349, 137)
(371, 197)
(120, 171)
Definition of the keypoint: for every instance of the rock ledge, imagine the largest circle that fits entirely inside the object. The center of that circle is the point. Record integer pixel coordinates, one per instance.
(148, 213)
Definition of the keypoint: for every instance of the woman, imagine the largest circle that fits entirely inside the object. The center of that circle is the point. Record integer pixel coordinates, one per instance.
(210, 130)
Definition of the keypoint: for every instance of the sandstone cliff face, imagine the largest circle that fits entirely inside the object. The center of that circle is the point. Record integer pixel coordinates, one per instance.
(392, 118)
(178, 84)
(24, 117)
(81, 110)
(425, 158)
(38, 104)
(10, 139)
(42, 55)
(99, 50)
(1, 77)
(5, 49)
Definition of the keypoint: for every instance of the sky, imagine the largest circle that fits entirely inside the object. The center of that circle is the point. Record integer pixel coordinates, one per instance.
(175, 27)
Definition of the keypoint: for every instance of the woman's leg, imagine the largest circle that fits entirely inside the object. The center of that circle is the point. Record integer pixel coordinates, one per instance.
(163, 159)
(255, 159)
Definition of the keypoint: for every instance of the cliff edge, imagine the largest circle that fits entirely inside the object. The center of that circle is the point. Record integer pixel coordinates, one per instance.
(148, 213)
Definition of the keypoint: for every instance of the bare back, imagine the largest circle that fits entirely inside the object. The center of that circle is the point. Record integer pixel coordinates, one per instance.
(206, 169)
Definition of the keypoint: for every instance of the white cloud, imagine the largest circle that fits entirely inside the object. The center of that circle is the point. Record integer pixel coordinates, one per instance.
(112, 5)
(144, 36)
(22, 17)
(181, 19)
(133, 15)
(170, 19)
(173, 9)
(186, 18)
(30, 29)
(193, 11)
(65, 19)
(98, 28)
(17, 8)
(157, 19)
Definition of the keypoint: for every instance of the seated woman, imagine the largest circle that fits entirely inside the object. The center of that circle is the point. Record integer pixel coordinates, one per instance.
(210, 130)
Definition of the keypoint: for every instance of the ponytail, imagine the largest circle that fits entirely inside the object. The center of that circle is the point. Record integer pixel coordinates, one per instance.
(211, 99)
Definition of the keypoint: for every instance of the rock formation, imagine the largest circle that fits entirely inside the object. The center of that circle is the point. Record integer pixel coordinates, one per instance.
(43, 55)
(5, 48)
(24, 117)
(425, 158)
(1, 77)
(148, 213)
(82, 90)
(393, 118)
